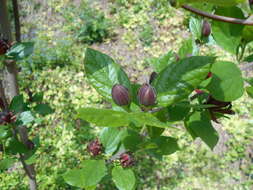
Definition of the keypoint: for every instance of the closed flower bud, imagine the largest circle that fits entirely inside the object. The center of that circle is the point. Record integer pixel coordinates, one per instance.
(6, 117)
(206, 29)
(95, 148)
(126, 159)
(147, 95)
(120, 95)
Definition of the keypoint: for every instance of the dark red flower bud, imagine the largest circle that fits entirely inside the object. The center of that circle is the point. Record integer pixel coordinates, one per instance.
(217, 103)
(152, 77)
(210, 74)
(120, 95)
(206, 29)
(198, 91)
(95, 147)
(126, 159)
(4, 46)
(250, 2)
(147, 95)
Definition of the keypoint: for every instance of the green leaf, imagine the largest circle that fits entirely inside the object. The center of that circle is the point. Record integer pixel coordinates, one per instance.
(4, 131)
(88, 176)
(227, 35)
(154, 132)
(103, 73)
(6, 163)
(26, 117)
(177, 81)
(111, 118)
(162, 62)
(249, 90)
(188, 48)
(124, 179)
(43, 109)
(110, 139)
(132, 140)
(20, 51)
(38, 97)
(178, 111)
(75, 177)
(17, 104)
(199, 125)
(195, 26)
(17, 147)
(165, 145)
(247, 33)
(227, 82)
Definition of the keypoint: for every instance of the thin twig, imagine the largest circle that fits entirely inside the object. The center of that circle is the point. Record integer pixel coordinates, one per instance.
(218, 17)
(16, 20)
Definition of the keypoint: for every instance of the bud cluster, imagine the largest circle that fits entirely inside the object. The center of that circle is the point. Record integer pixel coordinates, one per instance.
(95, 147)
(126, 159)
(6, 118)
(4, 46)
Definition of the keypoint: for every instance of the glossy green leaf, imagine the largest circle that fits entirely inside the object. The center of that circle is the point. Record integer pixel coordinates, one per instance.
(249, 90)
(247, 33)
(88, 176)
(162, 62)
(26, 117)
(165, 145)
(6, 163)
(38, 97)
(195, 26)
(124, 179)
(177, 81)
(43, 109)
(154, 132)
(103, 73)
(17, 147)
(178, 111)
(20, 51)
(17, 104)
(111, 118)
(4, 131)
(227, 82)
(132, 140)
(188, 49)
(227, 35)
(110, 138)
(199, 125)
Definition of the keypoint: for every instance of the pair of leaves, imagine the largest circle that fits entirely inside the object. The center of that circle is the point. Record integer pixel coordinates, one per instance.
(174, 83)
(93, 171)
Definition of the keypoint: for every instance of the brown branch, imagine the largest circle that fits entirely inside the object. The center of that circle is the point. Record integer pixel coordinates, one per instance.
(218, 17)
(16, 20)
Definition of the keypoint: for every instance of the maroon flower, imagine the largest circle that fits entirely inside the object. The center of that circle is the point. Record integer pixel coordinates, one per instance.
(147, 95)
(4, 46)
(120, 95)
(6, 117)
(126, 159)
(219, 107)
(95, 147)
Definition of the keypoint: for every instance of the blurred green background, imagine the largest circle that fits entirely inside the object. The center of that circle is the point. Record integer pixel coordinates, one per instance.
(132, 32)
